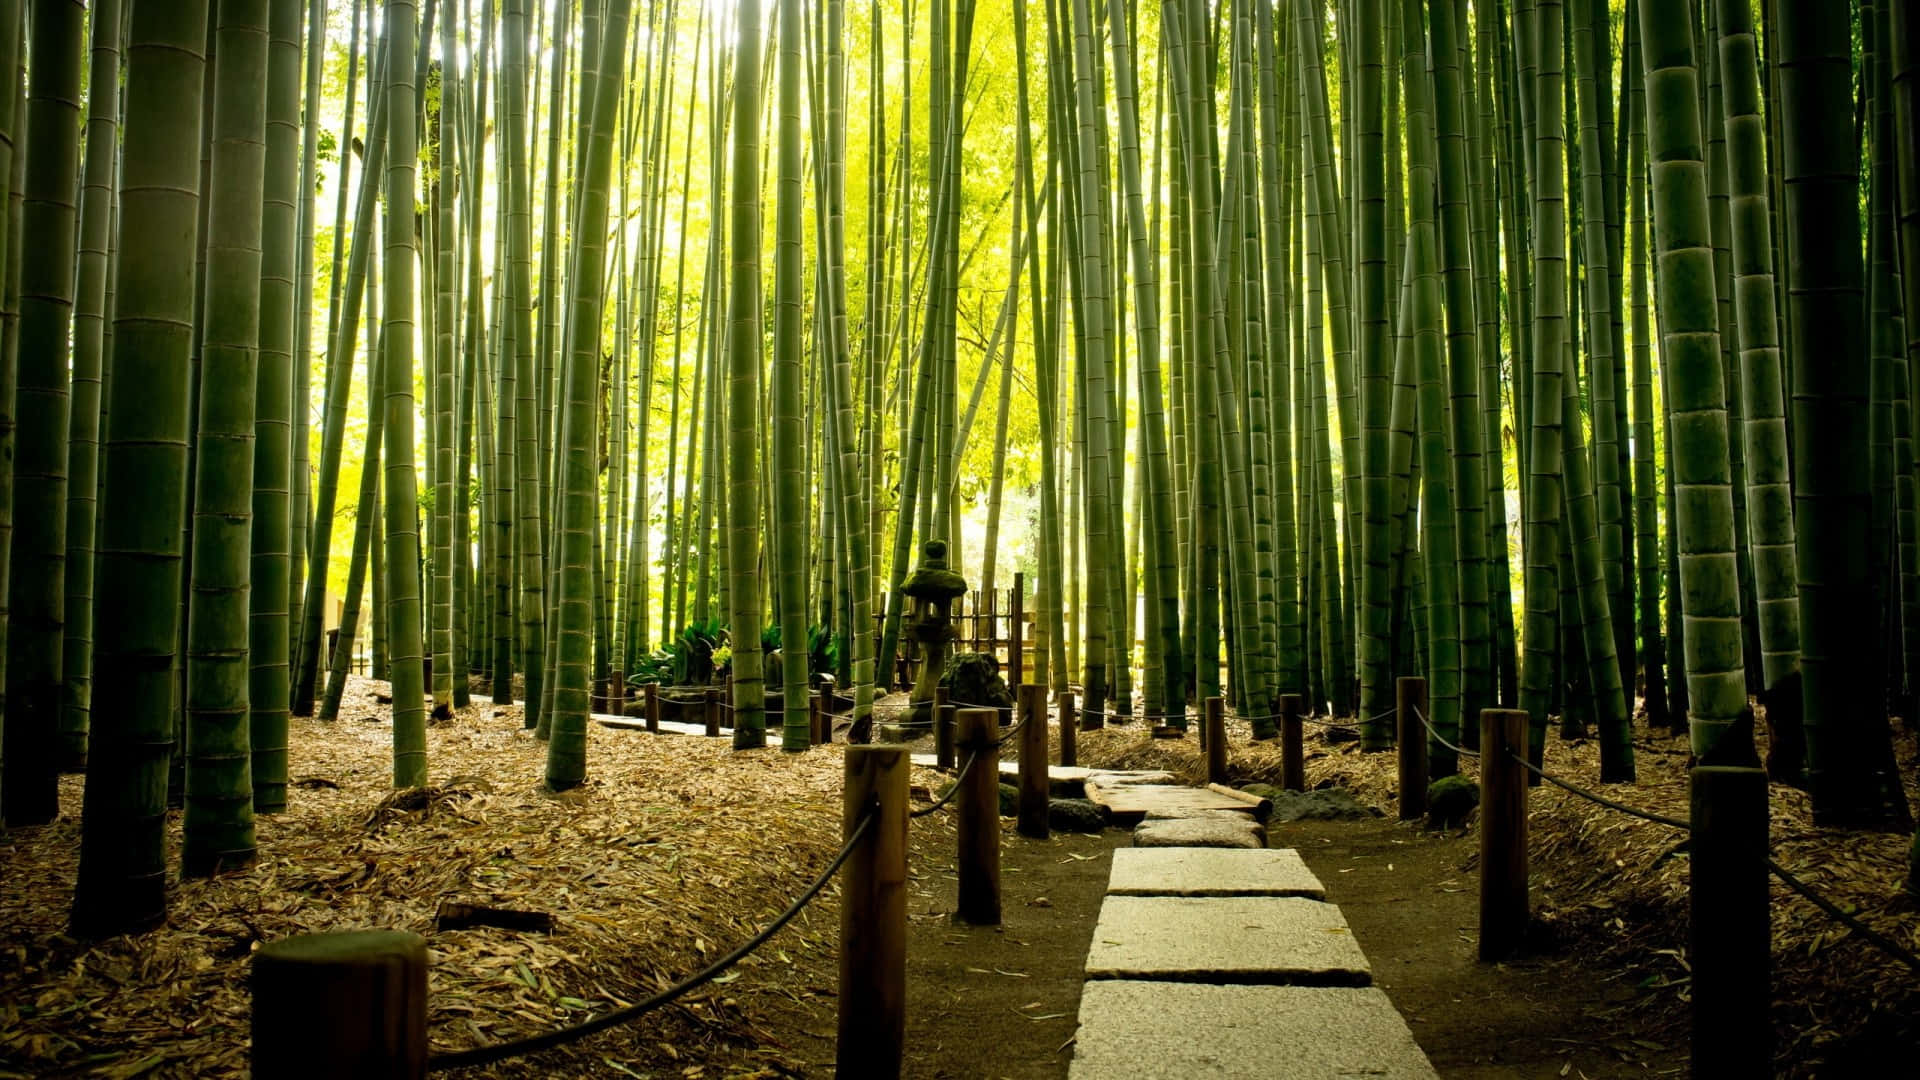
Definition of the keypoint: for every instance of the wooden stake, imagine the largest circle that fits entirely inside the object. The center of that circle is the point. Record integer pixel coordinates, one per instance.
(873, 915)
(1216, 740)
(1016, 648)
(713, 712)
(1293, 765)
(1033, 763)
(1069, 742)
(653, 708)
(1503, 832)
(1410, 703)
(942, 730)
(353, 1004)
(1730, 935)
(814, 712)
(979, 798)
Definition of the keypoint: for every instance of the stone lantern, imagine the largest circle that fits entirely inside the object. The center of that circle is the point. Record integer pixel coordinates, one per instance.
(933, 588)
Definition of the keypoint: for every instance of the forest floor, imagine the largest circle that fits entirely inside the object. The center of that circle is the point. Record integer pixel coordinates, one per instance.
(677, 848)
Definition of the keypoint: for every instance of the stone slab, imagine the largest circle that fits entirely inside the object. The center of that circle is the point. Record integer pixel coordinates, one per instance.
(1178, 871)
(1184, 1031)
(1128, 804)
(1198, 832)
(1265, 940)
(1245, 813)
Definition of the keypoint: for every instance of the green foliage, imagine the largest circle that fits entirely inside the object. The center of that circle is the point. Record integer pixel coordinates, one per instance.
(823, 650)
(697, 654)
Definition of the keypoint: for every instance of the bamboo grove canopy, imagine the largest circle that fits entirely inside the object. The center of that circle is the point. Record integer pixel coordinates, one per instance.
(1562, 351)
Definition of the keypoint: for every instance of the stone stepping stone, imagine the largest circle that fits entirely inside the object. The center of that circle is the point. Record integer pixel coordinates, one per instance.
(1129, 803)
(1184, 1031)
(1267, 940)
(1199, 832)
(1211, 872)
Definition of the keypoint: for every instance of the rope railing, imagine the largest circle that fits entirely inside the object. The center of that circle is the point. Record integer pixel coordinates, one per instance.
(487, 1055)
(1833, 910)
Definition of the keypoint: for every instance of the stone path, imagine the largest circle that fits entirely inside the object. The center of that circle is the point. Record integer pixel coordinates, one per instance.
(1223, 961)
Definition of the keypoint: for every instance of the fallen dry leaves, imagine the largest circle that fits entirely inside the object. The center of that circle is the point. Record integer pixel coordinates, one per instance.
(675, 850)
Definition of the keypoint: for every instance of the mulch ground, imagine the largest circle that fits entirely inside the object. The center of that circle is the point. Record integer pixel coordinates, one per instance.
(677, 848)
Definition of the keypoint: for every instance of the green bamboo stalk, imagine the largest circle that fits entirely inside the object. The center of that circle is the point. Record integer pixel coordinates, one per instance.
(37, 604)
(340, 350)
(12, 30)
(122, 880)
(218, 823)
(402, 610)
(1690, 353)
(1646, 519)
(743, 388)
(89, 328)
(1543, 491)
(1770, 530)
(1832, 502)
(270, 587)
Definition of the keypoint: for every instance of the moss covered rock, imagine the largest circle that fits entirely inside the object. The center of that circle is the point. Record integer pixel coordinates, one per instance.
(1449, 800)
(974, 679)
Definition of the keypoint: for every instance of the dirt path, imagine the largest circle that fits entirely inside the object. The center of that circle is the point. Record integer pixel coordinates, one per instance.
(1412, 900)
(992, 1003)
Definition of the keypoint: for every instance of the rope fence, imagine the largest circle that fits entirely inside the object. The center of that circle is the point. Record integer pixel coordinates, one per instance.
(487, 1055)
(323, 983)
(1885, 944)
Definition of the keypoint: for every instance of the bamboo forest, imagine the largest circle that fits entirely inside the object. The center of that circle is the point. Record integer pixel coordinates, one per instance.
(876, 538)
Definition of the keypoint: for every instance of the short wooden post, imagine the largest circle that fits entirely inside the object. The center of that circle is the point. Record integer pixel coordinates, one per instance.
(942, 730)
(1016, 634)
(1216, 734)
(1293, 764)
(813, 718)
(713, 712)
(1730, 935)
(1033, 763)
(353, 1004)
(653, 707)
(979, 827)
(829, 703)
(1503, 832)
(1410, 703)
(1069, 740)
(873, 914)
(1069, 712)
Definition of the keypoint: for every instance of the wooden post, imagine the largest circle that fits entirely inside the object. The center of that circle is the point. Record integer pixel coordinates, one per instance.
(942, 730)
(1069, 741)
(873, 915)
(1033, 763)
(1016, 634)
(1215, 727)
(814, 712)
(653, 707)
(713, 712)
(1410, 703)
(1293, 765)
(979, 854)
(1503, 832)
(1730, 935)
(829, 704)
(353, 1004)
